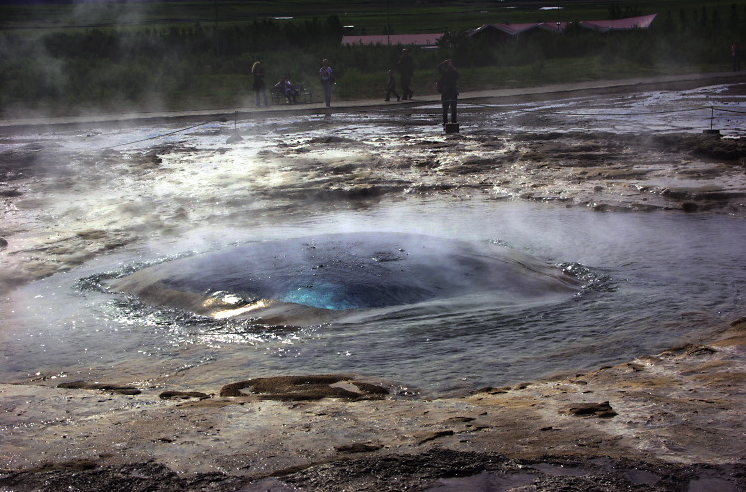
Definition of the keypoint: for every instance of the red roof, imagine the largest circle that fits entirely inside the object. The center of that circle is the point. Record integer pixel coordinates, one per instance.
(394, 39)
(642, 22)
(516, 29)
(555, 27)
(627, 24)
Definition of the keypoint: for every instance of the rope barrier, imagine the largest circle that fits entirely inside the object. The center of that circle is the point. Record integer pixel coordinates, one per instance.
(638, 113)
(159, 136)
(726, 110)
(641, 113)
(712, 109)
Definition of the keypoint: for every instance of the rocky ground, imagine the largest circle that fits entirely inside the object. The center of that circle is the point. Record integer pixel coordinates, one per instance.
(64, 206)
(670, 421)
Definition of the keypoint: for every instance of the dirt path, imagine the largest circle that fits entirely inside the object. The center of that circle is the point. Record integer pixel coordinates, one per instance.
(637, 84)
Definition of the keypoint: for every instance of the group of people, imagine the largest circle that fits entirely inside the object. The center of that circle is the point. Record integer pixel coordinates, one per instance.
(289, 90)
(447, 84)
(284, 86)
(405, 67)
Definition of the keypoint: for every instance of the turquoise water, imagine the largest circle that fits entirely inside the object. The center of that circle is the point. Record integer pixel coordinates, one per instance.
(349, 271)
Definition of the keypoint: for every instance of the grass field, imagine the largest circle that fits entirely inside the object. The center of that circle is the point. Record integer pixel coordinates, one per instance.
(367, 17)
(106, 55)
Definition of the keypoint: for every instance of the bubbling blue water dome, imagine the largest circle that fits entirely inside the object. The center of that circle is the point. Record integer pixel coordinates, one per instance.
(325, 275)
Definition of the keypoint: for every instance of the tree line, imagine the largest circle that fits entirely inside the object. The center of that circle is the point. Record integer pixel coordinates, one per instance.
(209, 66)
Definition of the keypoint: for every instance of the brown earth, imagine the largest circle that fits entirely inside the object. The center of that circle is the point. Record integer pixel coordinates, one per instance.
(663, 422)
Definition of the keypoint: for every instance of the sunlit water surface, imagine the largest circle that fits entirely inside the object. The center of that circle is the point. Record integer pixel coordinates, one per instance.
(652, 280)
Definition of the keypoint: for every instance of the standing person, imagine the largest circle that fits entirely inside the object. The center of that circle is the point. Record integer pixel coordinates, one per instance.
(327, 81)
(735, 51)
(449, 92)
(406, 71)
(257, 70)
(391, 86)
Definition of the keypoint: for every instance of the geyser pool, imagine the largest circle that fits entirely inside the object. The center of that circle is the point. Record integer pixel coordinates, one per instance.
(656, 280)
(344, 271)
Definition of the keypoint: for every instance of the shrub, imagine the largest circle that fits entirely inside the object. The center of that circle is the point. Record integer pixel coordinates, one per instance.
(201, 65)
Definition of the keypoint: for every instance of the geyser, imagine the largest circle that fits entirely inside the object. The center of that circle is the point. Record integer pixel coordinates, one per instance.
(316, 278)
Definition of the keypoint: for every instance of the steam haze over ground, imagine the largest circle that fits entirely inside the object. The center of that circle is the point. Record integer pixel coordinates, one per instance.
(618, 188)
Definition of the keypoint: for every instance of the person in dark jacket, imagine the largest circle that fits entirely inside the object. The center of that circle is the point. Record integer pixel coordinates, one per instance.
(448, 92)
(391, 86)
(257, 70)
(406, 71)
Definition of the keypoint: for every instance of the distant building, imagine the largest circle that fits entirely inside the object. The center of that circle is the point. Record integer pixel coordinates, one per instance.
(502, 32)
(496, 32)
(499, 32)
(423, 40)
(628, 24)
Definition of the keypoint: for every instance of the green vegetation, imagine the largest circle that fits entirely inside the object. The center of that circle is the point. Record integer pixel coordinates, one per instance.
(67, 58)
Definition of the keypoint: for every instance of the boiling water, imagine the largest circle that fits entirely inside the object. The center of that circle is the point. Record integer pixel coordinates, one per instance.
(651, 281)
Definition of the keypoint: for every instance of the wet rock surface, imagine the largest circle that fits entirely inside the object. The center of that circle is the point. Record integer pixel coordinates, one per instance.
(300, 388)
(183, 395)
(88, 476)
(435, 470)
(679, 417)
(601, 410)
(442, 469)
(114, 388)
(678, 420)
(64, 192)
